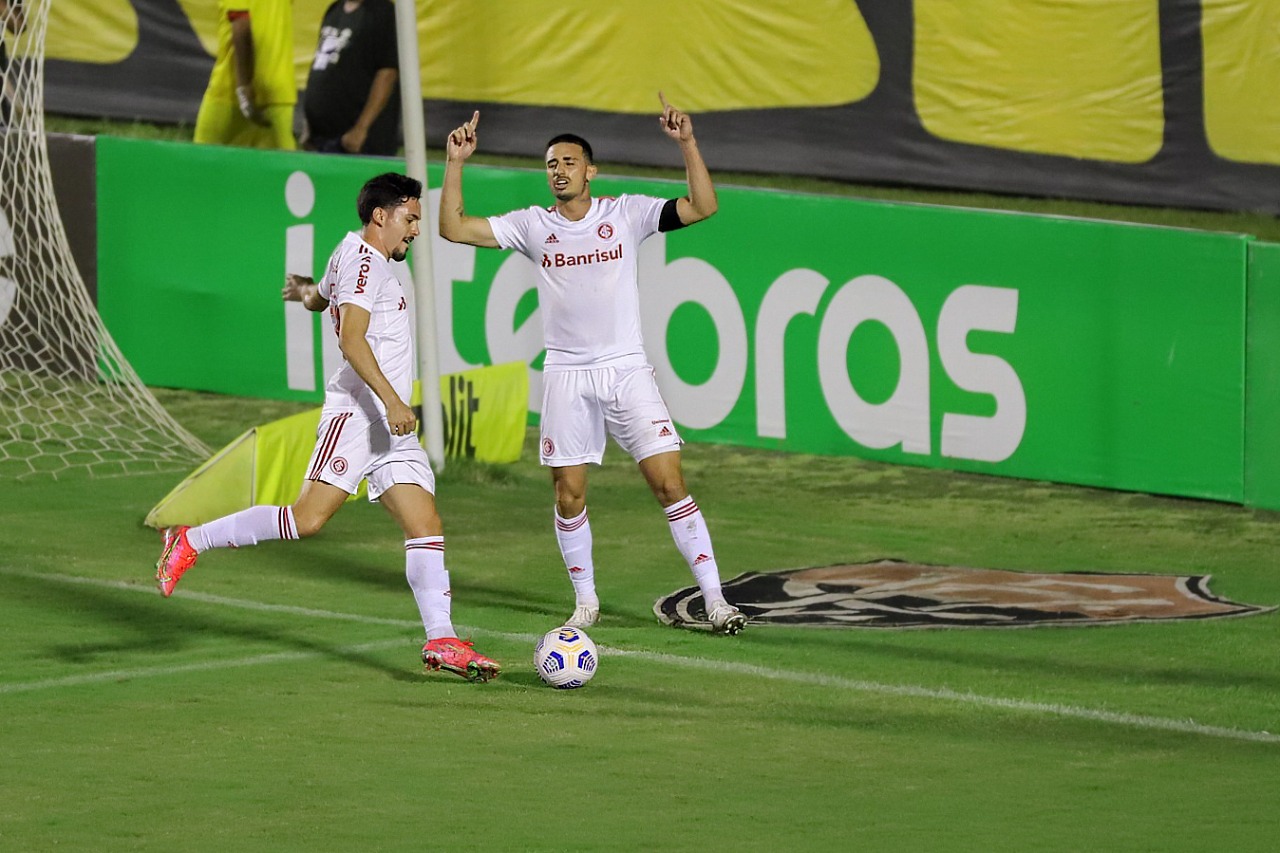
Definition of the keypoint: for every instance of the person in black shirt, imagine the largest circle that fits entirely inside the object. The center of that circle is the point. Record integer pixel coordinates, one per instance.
(11, 19)
(352, 100)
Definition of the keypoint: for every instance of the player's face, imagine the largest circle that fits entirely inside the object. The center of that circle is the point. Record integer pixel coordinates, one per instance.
(401, 227)
(568, 172)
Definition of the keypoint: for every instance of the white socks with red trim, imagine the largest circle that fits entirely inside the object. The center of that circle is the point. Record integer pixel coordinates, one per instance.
(424, 567)
(574, 537)
(246, 527)
(689, 530)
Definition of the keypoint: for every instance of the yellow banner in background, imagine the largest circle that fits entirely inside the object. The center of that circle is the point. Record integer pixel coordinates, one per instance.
(282, 450)
(1077, 79)
(101, 32)
(1241, 79)
(486, 411)
(704, 54)
(707, 55)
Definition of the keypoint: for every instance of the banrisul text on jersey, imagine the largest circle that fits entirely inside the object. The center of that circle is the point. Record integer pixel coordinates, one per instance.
(560, 259)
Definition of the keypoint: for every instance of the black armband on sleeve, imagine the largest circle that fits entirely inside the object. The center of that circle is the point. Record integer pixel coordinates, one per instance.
(669, 220)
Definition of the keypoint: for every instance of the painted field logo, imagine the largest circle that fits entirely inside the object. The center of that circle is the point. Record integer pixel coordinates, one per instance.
(894, 594)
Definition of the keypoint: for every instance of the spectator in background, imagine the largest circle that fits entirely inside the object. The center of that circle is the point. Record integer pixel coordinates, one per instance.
(10, 19)
(251, 93)
(352, 100)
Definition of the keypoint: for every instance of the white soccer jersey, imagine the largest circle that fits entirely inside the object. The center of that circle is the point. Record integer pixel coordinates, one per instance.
(360, 275)
(587, 288)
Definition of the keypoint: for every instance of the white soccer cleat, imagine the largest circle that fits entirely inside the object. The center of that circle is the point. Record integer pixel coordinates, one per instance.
(584, 616)
(726, 619)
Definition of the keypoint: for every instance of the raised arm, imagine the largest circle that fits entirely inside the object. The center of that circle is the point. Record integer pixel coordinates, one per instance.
(701, 201)
(455, 225)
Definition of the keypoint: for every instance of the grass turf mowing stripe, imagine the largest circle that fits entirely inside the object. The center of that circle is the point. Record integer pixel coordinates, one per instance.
(1140, 721)
(153, 672)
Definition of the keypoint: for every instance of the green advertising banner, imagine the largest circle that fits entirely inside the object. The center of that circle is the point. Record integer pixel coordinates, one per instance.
(1046, 348)
(1262, 374)
(195, 243)
(1076, 351)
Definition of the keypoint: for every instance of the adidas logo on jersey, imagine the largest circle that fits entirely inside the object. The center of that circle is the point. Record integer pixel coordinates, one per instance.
(552, 239)
(702, 558)
(664, 432)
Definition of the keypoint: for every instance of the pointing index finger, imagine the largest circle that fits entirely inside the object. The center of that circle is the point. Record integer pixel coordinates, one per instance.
(661, 97)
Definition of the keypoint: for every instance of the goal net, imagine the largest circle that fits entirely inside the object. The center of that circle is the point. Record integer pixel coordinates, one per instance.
(69, 402)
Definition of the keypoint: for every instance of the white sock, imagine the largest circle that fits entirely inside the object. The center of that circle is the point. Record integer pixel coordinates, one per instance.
(574, 536)
(424, 567)
(689, 529)
(246, 527)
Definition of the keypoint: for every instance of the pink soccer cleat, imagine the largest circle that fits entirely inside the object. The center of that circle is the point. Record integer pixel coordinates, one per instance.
(457, 656)
(175, 559)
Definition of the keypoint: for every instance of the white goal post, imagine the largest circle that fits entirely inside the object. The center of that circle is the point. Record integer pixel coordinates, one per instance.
(424, 291)
(69, 401)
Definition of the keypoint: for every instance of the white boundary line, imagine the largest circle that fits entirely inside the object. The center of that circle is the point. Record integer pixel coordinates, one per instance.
(1140, 721)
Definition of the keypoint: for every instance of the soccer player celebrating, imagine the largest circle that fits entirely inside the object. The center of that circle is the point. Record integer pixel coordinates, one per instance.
(367, 430)
(596, 376)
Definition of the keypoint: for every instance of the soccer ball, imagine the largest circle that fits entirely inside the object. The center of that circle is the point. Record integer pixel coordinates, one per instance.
(565, 658)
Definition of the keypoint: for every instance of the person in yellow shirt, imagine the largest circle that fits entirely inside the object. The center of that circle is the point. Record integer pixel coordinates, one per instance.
(251, 92)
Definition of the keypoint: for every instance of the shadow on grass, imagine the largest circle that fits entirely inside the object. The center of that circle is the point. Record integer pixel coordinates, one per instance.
(160, 626)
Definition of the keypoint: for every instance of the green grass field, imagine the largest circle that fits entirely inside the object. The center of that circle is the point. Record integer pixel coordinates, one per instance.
(276, 701)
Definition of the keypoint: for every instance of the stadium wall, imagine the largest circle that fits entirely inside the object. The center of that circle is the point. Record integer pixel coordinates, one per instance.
(1262, 411)
(1161, 103)
(71, 166)
(1096, 353)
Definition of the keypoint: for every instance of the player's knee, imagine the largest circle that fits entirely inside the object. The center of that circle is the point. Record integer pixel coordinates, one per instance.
(570, 506)
(670, 491)
(308, 524)
(571, 497)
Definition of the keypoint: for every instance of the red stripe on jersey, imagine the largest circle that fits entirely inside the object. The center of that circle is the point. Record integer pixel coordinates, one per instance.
(330, 442)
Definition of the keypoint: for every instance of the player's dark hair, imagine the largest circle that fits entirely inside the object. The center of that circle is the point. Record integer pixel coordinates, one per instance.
(390, 189)
(574, 139)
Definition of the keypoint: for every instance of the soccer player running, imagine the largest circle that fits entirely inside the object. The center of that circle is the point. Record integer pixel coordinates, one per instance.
(367, 430)
(596, 376)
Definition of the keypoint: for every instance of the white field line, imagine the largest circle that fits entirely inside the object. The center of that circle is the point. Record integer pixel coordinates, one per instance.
(1139, 721)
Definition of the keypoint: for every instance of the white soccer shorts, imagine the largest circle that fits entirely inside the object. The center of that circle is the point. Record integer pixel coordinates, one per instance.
(580, 406)
(350, 448)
